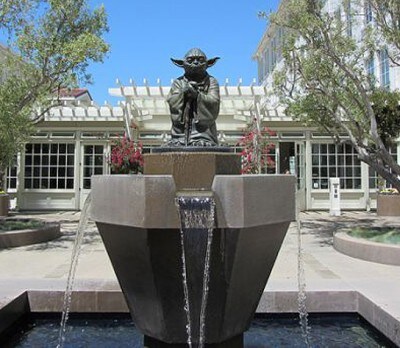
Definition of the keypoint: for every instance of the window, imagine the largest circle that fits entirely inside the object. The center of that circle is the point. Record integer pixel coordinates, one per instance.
(384, 58)
(349, 20)
(12, 176)
(148, 148)
(266, 63)
(269, 161)
(368, 11)
(273, 54)
(371, 69)
(300, 166)
(260, 70)
(93, 135)
(335, 161)
(338, 18)
(49, 166)
(93, 163)
(280, 44)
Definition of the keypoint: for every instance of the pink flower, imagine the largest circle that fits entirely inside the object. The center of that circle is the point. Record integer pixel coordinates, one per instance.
(126, 156)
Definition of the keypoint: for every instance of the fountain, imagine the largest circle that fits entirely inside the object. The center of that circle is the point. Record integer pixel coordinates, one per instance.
(192, 241)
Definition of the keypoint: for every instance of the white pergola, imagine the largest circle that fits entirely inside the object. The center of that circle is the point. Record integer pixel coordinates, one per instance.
(145, 107)
(82, 112)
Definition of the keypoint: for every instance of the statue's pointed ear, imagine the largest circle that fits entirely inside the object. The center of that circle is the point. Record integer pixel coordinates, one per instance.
(212, 61)
(177, 62)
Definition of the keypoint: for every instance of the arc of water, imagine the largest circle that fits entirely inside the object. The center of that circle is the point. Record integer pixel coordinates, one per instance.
(302, 297)
(72, 270)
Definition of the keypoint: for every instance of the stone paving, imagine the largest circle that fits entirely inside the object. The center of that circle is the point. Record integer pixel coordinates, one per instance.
(322, 263)
(45, 266)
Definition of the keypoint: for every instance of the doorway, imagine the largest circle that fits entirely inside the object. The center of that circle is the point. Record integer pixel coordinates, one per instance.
(292, 161)
(92, 163)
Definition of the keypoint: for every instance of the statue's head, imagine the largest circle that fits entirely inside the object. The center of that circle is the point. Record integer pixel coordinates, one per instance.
(195, 63)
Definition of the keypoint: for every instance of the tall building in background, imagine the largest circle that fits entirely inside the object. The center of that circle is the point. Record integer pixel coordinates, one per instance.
(316, 153)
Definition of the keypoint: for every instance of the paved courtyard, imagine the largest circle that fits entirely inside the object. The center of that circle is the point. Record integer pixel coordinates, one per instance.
(45, 266)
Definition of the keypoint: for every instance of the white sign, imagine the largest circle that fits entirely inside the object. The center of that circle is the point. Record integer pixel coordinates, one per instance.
(334, 196)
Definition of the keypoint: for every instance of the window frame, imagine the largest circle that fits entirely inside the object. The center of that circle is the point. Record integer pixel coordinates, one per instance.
(39, 168)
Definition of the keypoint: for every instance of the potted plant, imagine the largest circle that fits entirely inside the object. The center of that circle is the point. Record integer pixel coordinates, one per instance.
(388, 202)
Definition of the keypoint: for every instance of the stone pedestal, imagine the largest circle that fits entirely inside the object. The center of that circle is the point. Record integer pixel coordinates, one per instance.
(192, 170)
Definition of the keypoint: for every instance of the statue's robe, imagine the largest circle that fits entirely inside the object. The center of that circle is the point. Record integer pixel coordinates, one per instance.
(203, 112)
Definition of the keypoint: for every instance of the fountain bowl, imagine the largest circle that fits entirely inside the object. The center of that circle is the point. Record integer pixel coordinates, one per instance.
(141, 232)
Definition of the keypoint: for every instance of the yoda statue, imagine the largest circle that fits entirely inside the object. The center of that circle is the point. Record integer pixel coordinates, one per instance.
(194, 102)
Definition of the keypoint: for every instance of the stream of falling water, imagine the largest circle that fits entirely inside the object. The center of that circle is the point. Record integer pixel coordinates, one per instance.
(186, 292)
(196, 213)
(72, 270)
(206, 278)
(301, 281)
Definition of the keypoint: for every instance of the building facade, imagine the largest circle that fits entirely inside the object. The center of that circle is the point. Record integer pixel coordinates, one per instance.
(74, 140)
(323, 159)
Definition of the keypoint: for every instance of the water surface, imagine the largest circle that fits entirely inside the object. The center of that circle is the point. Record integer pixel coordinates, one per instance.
(273, 331)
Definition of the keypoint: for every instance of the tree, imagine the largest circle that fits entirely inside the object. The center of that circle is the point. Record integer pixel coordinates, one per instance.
(323, 80)
(387, 17)
(12, 13)
(51, 43)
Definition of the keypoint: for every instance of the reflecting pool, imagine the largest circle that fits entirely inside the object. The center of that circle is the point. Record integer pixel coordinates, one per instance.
(266, 331)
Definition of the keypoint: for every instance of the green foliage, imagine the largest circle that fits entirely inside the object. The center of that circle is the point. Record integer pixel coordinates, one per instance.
(387, 112)
(387, 17)
(379, 235)
(12, 13)
(323, 81)
(52, 42)
(15, 225)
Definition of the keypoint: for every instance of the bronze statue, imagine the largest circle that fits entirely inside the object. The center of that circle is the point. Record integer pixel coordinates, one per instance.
(194, 102)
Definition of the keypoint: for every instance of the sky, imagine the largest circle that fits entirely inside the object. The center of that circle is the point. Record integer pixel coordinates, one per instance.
(145, 34)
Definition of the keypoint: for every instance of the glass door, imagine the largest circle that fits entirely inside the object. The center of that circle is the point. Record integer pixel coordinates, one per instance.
(300, 174)
(92, 163)
(292, 161)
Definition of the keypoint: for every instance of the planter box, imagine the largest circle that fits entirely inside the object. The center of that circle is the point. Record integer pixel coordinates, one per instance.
(4, 204)
(17, 238)
(388, 205)
(359, 248)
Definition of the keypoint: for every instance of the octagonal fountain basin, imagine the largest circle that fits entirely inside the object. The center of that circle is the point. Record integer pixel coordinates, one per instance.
(198, 283)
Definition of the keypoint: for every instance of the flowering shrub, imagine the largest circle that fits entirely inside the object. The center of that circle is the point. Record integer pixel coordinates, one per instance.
(126, 156)
(257, 148)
